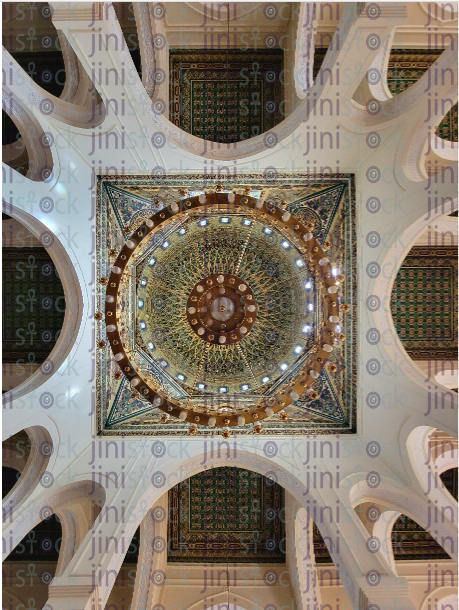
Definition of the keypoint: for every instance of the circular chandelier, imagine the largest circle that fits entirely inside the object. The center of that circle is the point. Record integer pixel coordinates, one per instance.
(222, 310)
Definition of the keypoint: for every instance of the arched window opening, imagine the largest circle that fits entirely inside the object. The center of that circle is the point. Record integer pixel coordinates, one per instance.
(33, 303)
(215, 507)
(62, 268)
(27, 452)
(407, 66)
(211, 99)
(34, 43)
(66, 517)
(447, 129)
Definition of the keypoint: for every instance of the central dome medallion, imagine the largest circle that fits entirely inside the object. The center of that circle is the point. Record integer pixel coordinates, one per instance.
(221, 309)
(229, 306)
(235, 308)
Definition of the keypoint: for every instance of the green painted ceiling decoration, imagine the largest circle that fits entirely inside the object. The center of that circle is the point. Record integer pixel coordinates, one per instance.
(33, 305)
(406, 66)
(226, 96)
(424, 303)
(411, 542)
(226, 515)
(157, 332)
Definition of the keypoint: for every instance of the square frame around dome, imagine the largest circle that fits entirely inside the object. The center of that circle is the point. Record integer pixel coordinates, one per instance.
(124, 202)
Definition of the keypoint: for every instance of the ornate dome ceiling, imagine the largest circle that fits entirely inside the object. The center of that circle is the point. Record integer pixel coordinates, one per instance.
(225, 306)
(279, 332)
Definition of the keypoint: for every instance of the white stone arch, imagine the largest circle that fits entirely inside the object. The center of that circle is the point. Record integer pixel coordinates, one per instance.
(166, 474)
(23, 87)
(55, 501)
(69, 539)
(243, 149)
(147, 51)
(244, 459)
(305, 48)
(380, 90)
(186, 141)
(40, 158)
(37, 463)
(299, 549)
(383, 285)
(145, 594)
(42, 458)
(423, 463)
(75, 92)
(384, 501)
(411, 151)
(397, 501)
(237, 602)
(383, 531)
(67, 505)
(73, 302)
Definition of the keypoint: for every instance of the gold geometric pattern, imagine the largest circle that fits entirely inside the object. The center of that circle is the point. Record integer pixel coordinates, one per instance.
(268, 268)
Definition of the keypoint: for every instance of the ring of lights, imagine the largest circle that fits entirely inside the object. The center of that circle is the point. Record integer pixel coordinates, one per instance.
(221, 309)
(302, 238)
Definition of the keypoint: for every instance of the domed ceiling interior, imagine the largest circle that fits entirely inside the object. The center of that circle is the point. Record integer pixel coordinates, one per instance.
(179, 303)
